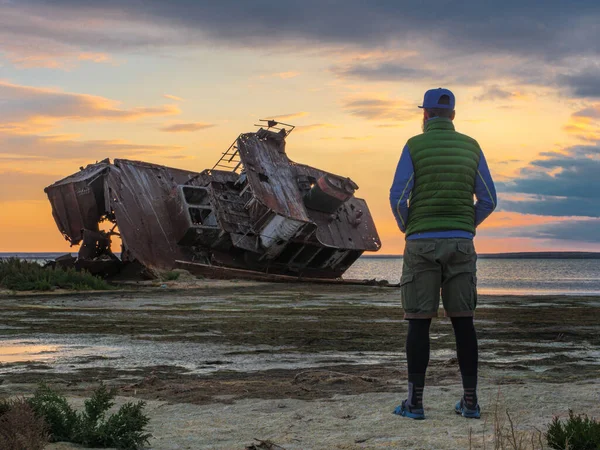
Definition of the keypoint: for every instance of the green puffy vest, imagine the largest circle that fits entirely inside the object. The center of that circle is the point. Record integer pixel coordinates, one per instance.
(445, 164)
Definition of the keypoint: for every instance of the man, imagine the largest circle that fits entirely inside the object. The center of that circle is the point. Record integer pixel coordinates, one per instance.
(432, 199)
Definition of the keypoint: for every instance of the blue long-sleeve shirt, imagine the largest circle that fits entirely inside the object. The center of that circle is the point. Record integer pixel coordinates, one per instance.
(404, 181)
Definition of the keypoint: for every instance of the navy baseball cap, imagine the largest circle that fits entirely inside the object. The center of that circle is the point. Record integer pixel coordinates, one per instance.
(438, 98)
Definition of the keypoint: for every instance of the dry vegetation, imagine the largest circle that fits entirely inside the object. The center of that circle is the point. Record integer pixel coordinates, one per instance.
(29, 424)
(18, 275)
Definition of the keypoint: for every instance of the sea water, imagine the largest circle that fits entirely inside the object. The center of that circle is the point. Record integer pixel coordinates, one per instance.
(505, 276)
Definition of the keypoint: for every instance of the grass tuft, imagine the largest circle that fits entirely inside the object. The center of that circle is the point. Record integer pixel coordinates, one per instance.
(170, 276)
(18, 275)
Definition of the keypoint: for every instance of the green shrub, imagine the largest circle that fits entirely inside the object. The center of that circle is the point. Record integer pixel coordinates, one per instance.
(19, 275)
(56, 411)
(579, 432)
(124, 429)
(20, 428)
(89, 430)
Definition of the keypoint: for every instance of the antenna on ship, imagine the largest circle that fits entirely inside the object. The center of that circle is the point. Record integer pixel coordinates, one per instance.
(274, 125)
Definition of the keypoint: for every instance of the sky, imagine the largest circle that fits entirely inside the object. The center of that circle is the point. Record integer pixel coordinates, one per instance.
(175, 82)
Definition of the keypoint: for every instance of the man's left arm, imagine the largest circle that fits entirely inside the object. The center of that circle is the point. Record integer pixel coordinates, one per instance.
(402, 186)
(485, 192)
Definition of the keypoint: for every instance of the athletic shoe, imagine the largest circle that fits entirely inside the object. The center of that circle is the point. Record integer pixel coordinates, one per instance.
(406, 410)
(470, 413)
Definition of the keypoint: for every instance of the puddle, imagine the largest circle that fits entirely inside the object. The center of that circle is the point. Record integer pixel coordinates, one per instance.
(67, 355)
(22, 351)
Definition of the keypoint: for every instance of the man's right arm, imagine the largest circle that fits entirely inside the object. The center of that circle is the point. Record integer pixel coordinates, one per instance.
(485, 192)
(402, 186)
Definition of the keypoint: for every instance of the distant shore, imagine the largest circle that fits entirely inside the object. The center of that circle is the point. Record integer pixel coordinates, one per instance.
(518, 255)
(513, 255)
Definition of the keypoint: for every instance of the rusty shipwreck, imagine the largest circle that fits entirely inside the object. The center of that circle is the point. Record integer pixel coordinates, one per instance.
(255, 214)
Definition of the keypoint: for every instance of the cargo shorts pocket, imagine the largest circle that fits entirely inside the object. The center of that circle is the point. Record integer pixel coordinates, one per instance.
(417, 248)
(417, 253)
(460, 295)
(465, 258)
(408, 292)
(467, 249)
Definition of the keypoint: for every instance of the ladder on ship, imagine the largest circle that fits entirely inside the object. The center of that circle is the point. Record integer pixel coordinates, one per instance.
(230, 160)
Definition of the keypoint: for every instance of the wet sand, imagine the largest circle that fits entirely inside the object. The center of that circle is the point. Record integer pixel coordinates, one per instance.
(225, 362)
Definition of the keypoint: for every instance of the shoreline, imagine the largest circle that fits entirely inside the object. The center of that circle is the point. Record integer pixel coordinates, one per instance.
(189, 282)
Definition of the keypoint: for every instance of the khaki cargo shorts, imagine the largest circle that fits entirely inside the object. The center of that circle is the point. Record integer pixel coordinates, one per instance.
(432, 266)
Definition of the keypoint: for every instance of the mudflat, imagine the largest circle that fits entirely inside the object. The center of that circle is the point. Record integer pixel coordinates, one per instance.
(303, 366)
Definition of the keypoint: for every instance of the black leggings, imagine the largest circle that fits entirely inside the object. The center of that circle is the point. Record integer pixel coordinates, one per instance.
(417, 355)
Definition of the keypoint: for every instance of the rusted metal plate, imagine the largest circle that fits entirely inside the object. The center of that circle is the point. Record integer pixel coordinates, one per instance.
(271, 178)
(77, 201)
(351, 227)
(143, 198)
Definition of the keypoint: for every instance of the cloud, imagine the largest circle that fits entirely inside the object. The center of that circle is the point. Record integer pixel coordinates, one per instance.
(30, 109)
(562, 184)
(92, 56)
(173, 97)
(583, 83)
(545, 45)
(36, 34)
(380, 109)
(390, 125)
(585, 124)
(549, 30)
(575, 230)
(286, 75)
(187, 127)
(495, 92)
(41, 148)
(66, 60)
(357, 138)
(36, 52)
(503, 161)
(554, 206)
(591, 112)
(383, 71)
(289, 116)
(27, 111)
(558, 229)
(578, 230)
(312, 127)
(281, 75)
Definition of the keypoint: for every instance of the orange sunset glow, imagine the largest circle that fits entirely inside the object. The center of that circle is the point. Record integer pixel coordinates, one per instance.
(175, 86)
